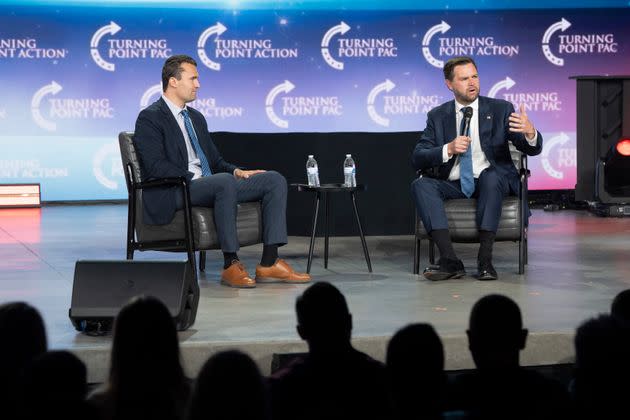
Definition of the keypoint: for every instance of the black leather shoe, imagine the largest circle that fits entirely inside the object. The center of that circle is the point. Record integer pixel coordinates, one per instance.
(448, 269)
(485, 270)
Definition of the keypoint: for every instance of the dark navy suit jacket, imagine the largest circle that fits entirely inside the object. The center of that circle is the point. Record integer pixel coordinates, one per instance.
(161, 150)
(494, 135)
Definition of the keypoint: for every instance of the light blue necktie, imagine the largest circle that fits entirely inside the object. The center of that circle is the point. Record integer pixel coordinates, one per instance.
(466, 178)
(205, 167)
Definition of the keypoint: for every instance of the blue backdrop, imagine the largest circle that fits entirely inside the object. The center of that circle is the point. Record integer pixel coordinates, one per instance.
(74, 76)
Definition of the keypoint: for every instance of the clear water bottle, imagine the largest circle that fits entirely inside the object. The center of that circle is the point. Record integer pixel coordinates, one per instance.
(312, 173)
(349, 172)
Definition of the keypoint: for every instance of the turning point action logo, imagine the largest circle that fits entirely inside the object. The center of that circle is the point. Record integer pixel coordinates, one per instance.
(355, 47)
(468, 46)
(27, 49)
(67, 108)
(238, 48)
(576, 44)
(300, 106)
(125, 48)
(413, 104)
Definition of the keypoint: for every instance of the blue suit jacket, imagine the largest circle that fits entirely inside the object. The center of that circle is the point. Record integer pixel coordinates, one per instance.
(161, 150)
(494, 135)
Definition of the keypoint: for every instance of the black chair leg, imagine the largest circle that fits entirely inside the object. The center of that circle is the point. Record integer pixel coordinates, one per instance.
(521, 256)
(202, 261)
(431, 252)
(416, 255)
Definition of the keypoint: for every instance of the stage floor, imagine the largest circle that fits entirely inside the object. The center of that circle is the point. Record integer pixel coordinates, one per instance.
(577, 264)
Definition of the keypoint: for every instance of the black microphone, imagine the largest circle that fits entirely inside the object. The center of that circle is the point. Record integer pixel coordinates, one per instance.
(468, 113)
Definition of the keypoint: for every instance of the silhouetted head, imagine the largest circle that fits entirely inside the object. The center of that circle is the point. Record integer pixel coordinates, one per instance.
(323, 317)
(223, 382)
(602, 368)
(57, 375)
(415, 365)
(496, 334)
(55, 386)
(23, 337)
(620, 307)
(145, 349)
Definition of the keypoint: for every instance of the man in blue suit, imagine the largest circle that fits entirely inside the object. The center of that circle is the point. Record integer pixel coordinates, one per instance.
(466, 143)
(172, 140)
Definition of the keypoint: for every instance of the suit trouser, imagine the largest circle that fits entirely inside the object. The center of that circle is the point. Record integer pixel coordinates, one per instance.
(429, 195)
(223, 191)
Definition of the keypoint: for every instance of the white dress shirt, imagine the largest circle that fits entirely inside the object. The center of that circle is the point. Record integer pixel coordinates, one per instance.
(479, 160)
(194, 164)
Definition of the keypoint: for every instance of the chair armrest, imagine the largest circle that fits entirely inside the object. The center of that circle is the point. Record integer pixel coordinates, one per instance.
(162, 182)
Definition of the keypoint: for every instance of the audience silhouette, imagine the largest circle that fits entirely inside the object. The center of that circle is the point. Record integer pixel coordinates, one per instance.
(146, 379)
(334, 381)
(23, 336)
(499, 387)
(415, 366)
(55, 386)
(229, 387)
(620, 307)
(602, 368)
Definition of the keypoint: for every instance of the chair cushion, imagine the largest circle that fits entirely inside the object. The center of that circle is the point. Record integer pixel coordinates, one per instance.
(248, 222)
(461, 215)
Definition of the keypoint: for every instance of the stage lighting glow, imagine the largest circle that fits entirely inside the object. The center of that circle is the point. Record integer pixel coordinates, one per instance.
(623, 147)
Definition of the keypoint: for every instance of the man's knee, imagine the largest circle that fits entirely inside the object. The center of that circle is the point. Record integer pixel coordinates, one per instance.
(276, 181)
(492, 181)
(422, 186)
(224, 182)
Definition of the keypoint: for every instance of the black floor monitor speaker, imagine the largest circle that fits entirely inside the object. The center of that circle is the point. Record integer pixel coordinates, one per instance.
(102, 288)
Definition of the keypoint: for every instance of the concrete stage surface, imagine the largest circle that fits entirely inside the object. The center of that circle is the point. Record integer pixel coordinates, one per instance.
(577, 263)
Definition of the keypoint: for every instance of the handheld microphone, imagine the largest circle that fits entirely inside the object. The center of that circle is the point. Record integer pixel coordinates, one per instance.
(468, 113)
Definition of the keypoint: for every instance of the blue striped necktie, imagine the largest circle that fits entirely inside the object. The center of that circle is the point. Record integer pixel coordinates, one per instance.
(205, 167)
(466, 178)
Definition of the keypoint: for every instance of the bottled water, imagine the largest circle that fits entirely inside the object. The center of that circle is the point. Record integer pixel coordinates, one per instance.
(312, 173)
(349, 172)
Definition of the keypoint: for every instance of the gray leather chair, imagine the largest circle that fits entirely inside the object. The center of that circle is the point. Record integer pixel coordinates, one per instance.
(191, 230)
(463, 227)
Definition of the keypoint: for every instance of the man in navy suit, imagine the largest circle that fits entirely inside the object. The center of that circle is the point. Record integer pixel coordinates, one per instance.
(172, 140)
(466, 140)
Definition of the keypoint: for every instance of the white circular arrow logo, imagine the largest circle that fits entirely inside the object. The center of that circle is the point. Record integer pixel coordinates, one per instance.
(109, 153)
(442, 27)
(550, 144)
(146, 97)
(561, 25)
(342, 28)
(285, 87)
(386, 86)
(111, 29)
(217, 30)
(506, 83)
(52, 88)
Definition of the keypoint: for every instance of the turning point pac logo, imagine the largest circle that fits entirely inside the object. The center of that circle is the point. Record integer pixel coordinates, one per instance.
(300, 106)
(542, 101)
(107, 166)
(66, 108)
(125, 48)
(574, 44)
(354, 47)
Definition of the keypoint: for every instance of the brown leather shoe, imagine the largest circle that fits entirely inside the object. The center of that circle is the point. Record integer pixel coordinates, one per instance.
(280, 272)
(236, 276)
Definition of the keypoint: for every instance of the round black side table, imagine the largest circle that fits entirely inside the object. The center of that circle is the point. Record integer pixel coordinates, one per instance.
(324, 191)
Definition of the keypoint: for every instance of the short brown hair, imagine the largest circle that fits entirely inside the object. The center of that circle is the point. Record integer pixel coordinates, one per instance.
(450, 65)
(173, 68)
